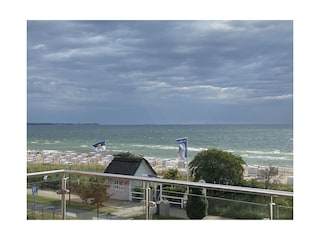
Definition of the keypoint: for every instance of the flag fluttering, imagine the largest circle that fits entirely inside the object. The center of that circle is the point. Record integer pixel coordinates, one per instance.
(100, 146)
(183, 148)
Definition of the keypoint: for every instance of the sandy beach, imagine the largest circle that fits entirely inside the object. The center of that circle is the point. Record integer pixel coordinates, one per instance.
(69, 158)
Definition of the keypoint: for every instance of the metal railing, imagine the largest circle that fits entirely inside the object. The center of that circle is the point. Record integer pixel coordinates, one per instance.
(148, 180)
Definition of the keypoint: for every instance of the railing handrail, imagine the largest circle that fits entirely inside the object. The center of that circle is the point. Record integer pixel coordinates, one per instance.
(212, 186)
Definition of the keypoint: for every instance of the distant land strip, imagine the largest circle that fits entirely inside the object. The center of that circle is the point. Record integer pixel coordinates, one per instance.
(63, 124)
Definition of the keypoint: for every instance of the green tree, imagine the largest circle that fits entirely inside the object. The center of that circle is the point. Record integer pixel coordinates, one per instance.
(197, 204)
(172, 174)
(93, 191)
(268, 173)
(217, 166)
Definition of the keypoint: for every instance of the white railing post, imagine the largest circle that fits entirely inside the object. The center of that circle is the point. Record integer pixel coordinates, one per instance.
(272, 204)
(63, 197)
(147, 201)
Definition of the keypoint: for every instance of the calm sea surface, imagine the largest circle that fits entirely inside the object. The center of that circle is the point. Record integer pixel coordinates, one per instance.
(256, 144)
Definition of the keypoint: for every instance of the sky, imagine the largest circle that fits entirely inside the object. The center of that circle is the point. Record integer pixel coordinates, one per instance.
(160, 71)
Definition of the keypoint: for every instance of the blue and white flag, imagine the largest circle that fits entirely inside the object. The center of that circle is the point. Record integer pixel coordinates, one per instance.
(100, 146)
(183, 148)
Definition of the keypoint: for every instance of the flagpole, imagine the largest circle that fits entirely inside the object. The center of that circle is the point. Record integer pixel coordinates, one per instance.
(184, 148)
(187, 165)
(183, 155)
(187, 162)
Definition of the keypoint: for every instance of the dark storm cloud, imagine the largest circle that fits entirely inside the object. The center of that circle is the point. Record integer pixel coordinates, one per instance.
(160, 71)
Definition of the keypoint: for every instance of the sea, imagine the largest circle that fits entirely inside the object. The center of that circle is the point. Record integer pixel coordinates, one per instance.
(259, 145)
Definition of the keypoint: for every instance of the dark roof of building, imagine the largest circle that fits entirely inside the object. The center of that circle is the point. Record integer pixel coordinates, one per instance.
(126, 166)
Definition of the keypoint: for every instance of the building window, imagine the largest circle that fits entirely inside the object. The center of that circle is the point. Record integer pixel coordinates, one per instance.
(118, 185)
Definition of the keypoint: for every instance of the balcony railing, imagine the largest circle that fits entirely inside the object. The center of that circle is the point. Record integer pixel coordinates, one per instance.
(150, 192)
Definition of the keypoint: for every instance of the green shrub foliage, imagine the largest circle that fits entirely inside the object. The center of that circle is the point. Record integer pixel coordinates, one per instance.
(197, 204)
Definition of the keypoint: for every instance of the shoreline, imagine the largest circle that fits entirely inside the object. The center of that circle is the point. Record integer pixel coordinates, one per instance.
(69, 158)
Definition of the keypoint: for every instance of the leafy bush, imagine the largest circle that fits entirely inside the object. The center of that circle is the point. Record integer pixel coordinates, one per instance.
(197, 204)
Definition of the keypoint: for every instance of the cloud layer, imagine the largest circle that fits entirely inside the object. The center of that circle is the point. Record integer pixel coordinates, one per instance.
(135, 72)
